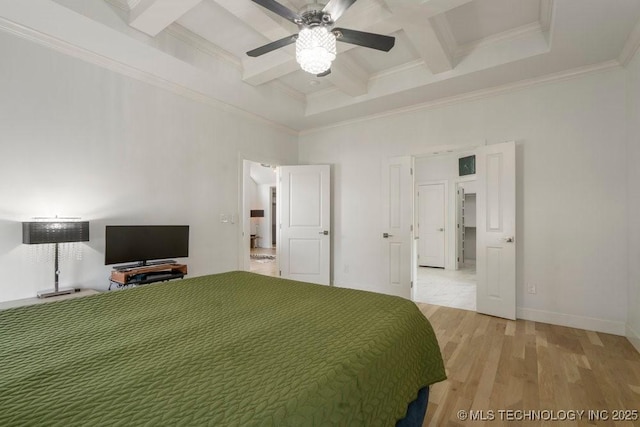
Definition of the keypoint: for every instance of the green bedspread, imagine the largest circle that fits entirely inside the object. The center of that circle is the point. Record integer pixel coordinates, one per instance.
(227, 349)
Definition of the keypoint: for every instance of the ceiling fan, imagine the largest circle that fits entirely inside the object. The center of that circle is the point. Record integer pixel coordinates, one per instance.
(316, 41)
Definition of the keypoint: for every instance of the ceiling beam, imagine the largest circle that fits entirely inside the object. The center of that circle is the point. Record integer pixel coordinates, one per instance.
(153, 16)
(426, 27)
(271, 26)
(429, 46)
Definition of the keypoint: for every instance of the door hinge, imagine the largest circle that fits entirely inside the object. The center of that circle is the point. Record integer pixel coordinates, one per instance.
(458, 259)
(411, 226)
(411, 171)
(412, 284)
(280, 273)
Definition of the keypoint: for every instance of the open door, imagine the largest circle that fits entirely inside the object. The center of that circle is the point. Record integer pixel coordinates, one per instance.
(305, 223)
(397, 235)
(496, 226)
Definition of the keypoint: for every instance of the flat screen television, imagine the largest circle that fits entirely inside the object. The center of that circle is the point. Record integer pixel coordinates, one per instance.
(144, 243)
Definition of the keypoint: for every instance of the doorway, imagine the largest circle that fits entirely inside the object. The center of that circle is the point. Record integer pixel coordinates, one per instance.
(445, 233)
(495, 172)
(261, 201)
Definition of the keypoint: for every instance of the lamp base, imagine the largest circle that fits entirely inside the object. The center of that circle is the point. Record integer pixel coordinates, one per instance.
(54, 293)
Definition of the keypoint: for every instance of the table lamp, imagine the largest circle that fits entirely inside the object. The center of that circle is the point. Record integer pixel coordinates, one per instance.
(55, 231)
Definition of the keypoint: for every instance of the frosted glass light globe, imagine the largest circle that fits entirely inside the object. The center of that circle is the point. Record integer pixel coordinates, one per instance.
(315, 49)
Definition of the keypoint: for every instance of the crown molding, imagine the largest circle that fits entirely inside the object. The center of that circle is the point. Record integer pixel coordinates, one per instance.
(631, 46)
(129, 71)
(476, 95)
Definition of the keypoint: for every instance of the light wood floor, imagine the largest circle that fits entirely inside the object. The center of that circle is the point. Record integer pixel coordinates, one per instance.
(497, 364)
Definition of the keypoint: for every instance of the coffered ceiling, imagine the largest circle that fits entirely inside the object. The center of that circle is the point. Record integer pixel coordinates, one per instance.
(445, 49)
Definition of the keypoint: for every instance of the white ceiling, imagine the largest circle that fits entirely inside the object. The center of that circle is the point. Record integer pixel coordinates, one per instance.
(444, 49)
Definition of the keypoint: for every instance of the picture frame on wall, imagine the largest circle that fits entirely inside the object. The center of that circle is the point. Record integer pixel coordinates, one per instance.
(467, 165)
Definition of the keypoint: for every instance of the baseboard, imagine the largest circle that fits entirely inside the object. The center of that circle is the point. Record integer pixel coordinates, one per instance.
(579, 322)
(634, 337)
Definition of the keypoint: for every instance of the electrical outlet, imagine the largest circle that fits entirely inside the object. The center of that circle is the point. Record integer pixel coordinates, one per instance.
(531, 288)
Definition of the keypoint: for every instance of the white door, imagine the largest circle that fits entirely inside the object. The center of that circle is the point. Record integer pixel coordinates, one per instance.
(397, 207)
(496, 226)
(431, 229)
(304, 206)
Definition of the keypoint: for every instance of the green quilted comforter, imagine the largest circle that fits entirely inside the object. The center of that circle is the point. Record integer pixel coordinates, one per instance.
(227, 349)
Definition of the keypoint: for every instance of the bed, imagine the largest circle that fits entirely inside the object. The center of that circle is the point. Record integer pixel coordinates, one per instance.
(227, 349)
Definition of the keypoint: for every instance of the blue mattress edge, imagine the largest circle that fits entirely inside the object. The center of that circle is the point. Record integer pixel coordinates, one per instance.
(416, 410)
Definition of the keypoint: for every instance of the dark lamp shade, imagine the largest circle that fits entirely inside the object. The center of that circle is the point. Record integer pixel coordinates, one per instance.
(55, 232)
(258, 213)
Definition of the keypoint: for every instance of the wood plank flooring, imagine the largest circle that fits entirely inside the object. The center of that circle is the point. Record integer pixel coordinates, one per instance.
(513, 366)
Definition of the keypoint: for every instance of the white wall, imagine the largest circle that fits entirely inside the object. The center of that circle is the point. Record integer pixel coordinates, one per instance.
(633, 162)
(79, 140)
(571, 202)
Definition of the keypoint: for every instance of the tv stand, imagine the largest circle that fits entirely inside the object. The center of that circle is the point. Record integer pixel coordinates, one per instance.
(143, 264)
(142, 275)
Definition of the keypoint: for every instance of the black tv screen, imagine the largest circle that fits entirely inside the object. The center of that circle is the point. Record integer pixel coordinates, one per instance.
(142, 243)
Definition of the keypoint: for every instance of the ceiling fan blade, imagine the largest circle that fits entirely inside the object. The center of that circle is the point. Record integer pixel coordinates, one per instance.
(336, 8)
(273, 46)
(360, 38)
(279, 9)
(325, 74)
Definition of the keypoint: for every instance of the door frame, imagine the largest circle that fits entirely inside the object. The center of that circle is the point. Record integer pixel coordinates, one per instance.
(416, 217)
(447, 150)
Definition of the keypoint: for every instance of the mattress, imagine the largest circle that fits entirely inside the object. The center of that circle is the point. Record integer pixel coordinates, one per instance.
(228, 349)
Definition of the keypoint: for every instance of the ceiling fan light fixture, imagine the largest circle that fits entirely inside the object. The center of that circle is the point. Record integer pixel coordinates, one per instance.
(315, 49)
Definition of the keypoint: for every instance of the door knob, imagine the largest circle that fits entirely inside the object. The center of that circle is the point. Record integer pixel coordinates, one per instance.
(440, 229)
(325, 232)
(387, 235)
(509, 239)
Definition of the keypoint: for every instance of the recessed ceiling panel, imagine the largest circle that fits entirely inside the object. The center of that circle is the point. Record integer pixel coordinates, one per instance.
(375, 61)
(482, 18)
(215, 24)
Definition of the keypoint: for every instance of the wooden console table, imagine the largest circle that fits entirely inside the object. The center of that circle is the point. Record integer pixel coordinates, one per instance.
(147, 274)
